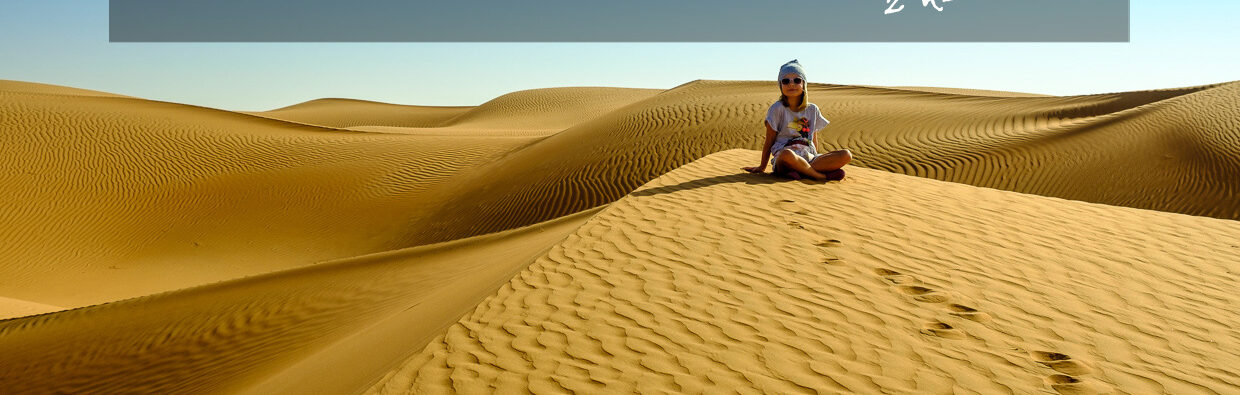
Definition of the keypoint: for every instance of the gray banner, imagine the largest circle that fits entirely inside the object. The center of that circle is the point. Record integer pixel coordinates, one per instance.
(619, 21)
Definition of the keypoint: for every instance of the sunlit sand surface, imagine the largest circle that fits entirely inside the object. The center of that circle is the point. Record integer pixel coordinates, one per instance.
(594, 239)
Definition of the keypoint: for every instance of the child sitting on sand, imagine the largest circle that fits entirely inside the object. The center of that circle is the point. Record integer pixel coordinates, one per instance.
(791, 124)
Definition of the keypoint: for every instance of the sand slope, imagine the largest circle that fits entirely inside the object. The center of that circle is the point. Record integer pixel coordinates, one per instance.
(34, 87)
(151, 196)
(135, 196)
(344, 113)
(1172, 150)
(330, 327)
(547, 108)
(705, 281)
(962, 91)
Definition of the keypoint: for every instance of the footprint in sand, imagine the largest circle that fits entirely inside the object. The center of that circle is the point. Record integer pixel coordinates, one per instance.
(1068, 385)
(943, 330)
(895, 277)
(796, 225)
(829, 243)
(967, 312)
(830, 257)
(923, 294)
(1062, 363)
(789, 206)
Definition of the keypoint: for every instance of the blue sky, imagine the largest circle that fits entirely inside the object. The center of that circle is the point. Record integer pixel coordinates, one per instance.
(1173, 44)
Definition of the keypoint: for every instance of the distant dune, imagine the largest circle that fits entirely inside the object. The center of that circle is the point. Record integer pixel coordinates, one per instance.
(592, 238)
(10, 87)
(348, 112)
(962, 91)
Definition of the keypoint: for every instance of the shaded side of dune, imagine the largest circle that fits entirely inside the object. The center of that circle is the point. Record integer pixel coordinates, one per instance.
(1167, 150)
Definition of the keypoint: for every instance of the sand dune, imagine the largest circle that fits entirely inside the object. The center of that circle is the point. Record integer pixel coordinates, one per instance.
(547, 108)
(33, 87)
(550, 107)
(1170, 150)
(136, 197)
(344, 113)
(343, 245)
(962, 91)
(268, 331)
(708, 281)
(1136, 149)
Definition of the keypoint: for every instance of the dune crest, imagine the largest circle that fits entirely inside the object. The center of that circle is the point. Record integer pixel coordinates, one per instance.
(343, 113)
(10, 308)
(49, 89)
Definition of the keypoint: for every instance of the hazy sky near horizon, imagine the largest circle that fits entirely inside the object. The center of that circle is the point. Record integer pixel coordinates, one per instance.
(1173, 44)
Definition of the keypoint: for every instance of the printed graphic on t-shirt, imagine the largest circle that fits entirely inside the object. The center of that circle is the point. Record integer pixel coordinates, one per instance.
(801, 126)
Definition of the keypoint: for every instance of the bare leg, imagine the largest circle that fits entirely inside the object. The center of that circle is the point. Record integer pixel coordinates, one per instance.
(831, 161)
(790, 160)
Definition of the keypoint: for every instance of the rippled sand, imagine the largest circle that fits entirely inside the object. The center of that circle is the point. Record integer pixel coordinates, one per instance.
(605, 240)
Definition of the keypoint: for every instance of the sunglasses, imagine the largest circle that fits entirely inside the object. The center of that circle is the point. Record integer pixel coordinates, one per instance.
(786, 81)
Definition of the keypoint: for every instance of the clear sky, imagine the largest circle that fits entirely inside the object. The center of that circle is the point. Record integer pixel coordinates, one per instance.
(65, 42)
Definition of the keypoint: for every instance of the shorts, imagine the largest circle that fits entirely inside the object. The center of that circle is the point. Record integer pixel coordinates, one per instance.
(801, 150)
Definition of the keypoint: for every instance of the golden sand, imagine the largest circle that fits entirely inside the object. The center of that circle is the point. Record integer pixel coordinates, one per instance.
(708, 281)
(605, 240)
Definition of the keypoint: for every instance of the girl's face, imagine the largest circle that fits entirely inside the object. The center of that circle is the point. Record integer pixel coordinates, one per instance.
(792, 88)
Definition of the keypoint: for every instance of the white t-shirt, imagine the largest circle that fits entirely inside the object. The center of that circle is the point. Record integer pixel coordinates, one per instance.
(784, 121)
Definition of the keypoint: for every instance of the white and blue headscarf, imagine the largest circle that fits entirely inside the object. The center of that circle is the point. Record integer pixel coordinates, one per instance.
(793, 67)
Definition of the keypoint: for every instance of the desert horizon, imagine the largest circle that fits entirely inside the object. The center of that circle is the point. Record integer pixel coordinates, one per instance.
(606, 240)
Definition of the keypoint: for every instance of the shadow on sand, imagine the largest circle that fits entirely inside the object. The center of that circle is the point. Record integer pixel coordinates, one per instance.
(748, 178)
